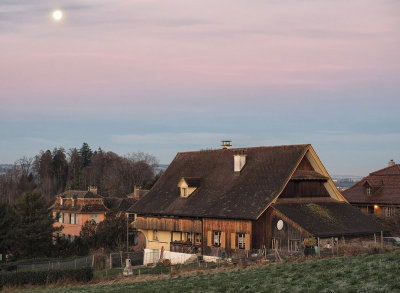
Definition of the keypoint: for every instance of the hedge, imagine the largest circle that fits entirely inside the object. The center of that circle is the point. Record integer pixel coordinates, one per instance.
(44, 277)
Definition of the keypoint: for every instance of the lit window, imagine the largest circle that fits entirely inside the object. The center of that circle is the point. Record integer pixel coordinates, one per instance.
(369, 190)
(184, 192)
(241, 238)
(217, 238)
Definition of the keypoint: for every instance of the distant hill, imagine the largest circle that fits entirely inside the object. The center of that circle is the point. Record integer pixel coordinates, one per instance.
(4, 168)
(161, 167)
(343, 182)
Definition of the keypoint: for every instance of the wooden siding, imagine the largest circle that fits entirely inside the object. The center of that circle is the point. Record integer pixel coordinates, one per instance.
(262, 231)
(168, 224)
(227, 228)
(304, 189)
(305, 165)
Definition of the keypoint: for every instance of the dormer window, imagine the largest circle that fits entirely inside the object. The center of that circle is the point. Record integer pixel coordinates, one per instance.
(369, 190)
(188, 185)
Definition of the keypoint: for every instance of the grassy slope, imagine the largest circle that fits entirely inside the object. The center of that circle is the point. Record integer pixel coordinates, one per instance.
(373, 273)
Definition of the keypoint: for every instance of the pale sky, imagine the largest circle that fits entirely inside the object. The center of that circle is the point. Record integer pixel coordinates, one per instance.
(169, 76)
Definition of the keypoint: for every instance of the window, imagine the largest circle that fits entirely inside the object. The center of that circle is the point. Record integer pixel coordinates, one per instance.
(155, 235)
(217, 239)
(294, 245)
(70, 218)
(61, 218)
(189, 237)
(198, 238)
(76, 219)
(389, 211)
(94, 217)
(184, 192)
(241, 240)
(369, 190)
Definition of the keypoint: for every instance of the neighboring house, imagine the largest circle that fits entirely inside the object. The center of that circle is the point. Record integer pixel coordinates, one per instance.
(76, 207)
(234, 200)
(378, 193)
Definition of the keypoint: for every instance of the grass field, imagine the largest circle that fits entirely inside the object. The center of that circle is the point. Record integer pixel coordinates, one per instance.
(372, 273)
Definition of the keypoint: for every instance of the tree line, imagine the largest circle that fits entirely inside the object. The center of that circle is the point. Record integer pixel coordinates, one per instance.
(52, 172)
(27, 231)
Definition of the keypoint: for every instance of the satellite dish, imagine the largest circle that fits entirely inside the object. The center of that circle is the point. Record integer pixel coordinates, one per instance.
(279, 225)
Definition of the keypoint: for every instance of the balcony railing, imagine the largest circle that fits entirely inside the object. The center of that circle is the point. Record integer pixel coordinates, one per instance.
(185, 247)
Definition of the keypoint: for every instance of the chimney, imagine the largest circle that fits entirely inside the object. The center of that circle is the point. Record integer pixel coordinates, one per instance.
(226, 144)
(239, 160)
(391, 163)
(136, 192)
(92, 189)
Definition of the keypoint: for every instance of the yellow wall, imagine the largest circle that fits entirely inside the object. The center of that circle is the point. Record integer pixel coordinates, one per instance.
(164, 239)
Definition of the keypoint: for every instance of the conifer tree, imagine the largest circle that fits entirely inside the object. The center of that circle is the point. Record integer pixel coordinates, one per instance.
(34, 229)
(85, 154)
(7, 224)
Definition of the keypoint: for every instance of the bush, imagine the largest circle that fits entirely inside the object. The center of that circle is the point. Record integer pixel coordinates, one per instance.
(45, 277)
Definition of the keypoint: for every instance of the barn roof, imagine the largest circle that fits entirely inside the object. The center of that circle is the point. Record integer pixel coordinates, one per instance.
(329, 218)
(385, 184)
(221, 193)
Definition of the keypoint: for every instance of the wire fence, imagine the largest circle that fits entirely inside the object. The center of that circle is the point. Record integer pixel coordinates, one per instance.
(118, 259)
(76, 263)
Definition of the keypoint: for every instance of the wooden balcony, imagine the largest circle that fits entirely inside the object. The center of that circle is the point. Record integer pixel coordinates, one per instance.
(185, 247)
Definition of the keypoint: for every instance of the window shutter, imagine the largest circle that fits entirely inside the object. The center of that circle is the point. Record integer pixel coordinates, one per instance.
(247, 239)
(223, 239)
(76, 219)
(209, 238)
(233, 240)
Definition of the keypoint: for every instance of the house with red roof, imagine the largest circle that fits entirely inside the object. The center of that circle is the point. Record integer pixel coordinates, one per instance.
(378, 193)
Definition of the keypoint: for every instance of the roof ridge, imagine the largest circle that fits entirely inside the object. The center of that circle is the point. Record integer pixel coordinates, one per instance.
(383, 169)
(246, 148)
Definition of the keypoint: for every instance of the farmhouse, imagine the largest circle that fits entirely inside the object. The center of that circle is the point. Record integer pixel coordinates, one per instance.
(76, 207)
(378, 193)
(228, 201)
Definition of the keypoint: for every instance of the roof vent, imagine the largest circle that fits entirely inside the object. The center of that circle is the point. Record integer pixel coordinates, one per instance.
(391, 163)
(226, 144)
(239, 160)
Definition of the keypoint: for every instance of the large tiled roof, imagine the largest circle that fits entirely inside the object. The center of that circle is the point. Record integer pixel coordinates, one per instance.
(329, 219)
(78, 194)
(385, 184)
(222, 193)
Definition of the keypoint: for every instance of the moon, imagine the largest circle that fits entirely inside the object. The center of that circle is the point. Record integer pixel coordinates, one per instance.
(57, 15)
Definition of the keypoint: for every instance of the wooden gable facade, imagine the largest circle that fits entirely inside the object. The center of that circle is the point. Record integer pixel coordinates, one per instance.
(234, 210)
